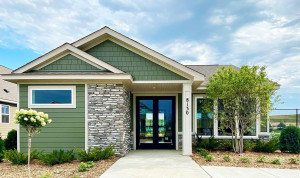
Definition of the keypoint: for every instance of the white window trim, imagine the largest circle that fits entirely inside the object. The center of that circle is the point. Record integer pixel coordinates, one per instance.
(73, 99)
(216, 134)
(4, 114)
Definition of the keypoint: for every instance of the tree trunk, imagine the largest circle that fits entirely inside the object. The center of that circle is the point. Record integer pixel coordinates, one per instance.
(29, 146)
(236, 142)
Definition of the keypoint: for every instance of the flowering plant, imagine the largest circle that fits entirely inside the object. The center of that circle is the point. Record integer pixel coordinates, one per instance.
(31, 119)
(33, 122)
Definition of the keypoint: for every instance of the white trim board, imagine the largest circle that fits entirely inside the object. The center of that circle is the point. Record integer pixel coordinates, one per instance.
(86, 117)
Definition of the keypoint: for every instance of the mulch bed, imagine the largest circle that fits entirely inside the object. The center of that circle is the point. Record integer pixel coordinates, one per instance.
(61, 170)
(219, 161)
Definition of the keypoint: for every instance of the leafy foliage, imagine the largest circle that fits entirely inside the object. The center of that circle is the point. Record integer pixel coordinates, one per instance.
(276, 161)
(227, 158)
(19, 158)
(10, 142)
(1, 157)
(294, 160)
(46, 175)
(239, 92)
(281, 125)
(261, 159)
(249, 145)
(209, 144)
(95, 154)
(266, 146)
(57, 157)
(208, 158)
(202, 151)
(90, 164)
(225, 144)
(2, 148)
(15, 157)
(82, 167)
(245, 160)
(290, 139)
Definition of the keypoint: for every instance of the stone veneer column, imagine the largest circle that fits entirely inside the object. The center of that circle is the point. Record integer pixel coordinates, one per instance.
(109, 117)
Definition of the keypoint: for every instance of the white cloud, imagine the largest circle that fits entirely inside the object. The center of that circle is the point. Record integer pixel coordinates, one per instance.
(222, 19)
(44, 25)
(191, 52)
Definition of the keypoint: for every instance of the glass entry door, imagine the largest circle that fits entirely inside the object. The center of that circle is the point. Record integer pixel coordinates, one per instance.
(155, 122)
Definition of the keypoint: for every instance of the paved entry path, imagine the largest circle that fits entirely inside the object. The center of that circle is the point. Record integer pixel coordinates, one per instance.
(171, 164)
(155, 163)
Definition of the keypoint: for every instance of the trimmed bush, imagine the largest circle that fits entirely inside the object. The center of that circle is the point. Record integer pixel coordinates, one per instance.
(209, 144)
(227, 158)
(202, 151)
(95, 154)
(290, 139)
(261, 159)
(225, 144)
(15, 157)
(10, 142)
(2, 148)
(1, 157)
(208, 158)
(249, 145)
(294, 160)
(276, 161)
(245, 160)
(266, 146)
(57, 157)
(19, 158)
(82, 167)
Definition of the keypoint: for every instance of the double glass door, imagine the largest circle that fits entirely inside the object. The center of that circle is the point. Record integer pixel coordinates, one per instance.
(155, 122)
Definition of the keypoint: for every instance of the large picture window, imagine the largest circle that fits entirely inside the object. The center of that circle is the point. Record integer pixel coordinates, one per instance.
(4, 115)
(204, 121)
(52, 97)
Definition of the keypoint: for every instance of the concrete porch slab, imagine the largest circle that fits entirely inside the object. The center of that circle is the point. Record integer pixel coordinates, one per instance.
(155, 163)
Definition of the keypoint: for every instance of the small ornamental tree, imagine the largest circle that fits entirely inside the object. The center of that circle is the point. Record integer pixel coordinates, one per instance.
(242, 95)
(33, 122)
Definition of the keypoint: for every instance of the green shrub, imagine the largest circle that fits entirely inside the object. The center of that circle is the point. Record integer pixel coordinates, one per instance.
(294, 160)
(276, 161)
(209, 144)
(10, 142)
(90, 164)
(261, 159)
(2, 148)
(46, 175)
(290, 139)
(249, 145)
(57, 157)
(227, 158)
(1, 157)
(266, 146)
(202, 151)
(245, 160)
(281, 125)
(15, 157)
(95, 154)
(82, 167)
(225, 144)
(208, 158)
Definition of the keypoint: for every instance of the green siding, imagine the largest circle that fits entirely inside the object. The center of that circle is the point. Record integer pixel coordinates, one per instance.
(67, 129)
(69, 63)
(139, 67)
(179, 112)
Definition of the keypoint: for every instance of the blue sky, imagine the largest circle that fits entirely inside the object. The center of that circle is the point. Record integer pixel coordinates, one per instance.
(253, 32)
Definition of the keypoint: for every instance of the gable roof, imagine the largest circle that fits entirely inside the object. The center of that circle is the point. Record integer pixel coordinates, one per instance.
(63, 49)
(8, 90)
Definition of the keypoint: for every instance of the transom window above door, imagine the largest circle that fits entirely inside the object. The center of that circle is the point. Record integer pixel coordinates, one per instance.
(52, 96)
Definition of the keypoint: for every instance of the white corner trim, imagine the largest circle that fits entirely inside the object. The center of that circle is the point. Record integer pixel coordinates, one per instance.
(86, 117)
(18, 126)
(51, 87)
(187, 119)
(197, 76)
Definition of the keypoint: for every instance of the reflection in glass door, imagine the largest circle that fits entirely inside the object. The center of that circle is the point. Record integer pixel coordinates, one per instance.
(155, 122)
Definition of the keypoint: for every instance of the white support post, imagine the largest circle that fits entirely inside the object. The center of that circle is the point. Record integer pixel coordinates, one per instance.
(187, 119)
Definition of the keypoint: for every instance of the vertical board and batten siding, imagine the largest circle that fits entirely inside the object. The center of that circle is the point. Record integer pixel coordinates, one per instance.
(69, 63)
(139, 67)
(67, 129)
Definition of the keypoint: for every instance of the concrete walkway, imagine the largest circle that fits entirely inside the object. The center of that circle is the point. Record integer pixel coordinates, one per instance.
(168, 163)
(155, 163)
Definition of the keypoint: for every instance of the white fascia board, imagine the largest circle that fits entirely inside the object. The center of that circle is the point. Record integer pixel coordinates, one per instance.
(164, 59)
(62, 49)
(8, 101)
(72, 77)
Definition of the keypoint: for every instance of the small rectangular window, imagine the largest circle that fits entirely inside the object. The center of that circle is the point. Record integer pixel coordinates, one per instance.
(52, 97)
(4, 113)
(204, 119)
